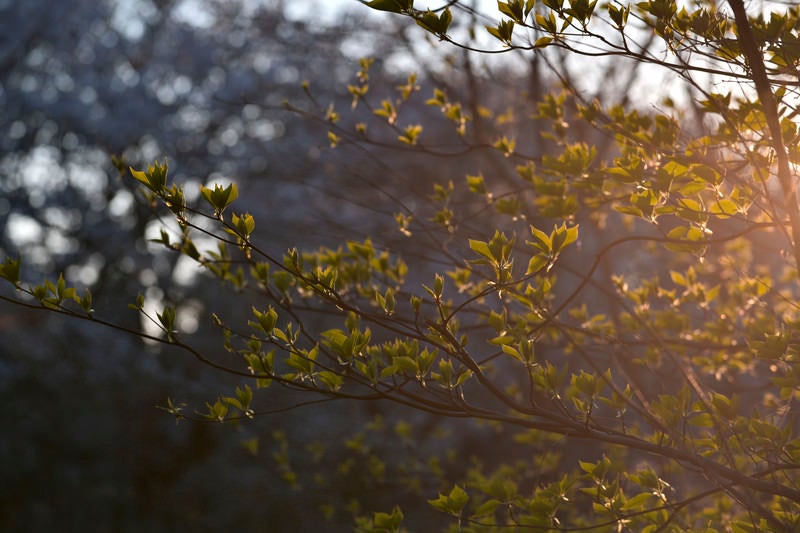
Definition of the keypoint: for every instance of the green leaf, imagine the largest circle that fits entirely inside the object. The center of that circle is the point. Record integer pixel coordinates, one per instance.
(167, 318)
(218, 411)
(232, 402)
(388, 522)
(61, 285)
(724, 208)
(481, 248)
(244, 395)
(537, 263)
(392, 6)
(438, 286)
(561, 237)
(387, 302)
(244, 224)
(462, 377)
(513, 9)
(572, 236)
(333, 139)
(486, 508)
(703, 420)
(505, 144)
(638, 501)
(173, 409)
(140, 176)
(251, 445)
(266, 320)
(692, 239)
(331, 380)
(513, 352)
(458, 497)
(541, 240)
(504, 31)
(618, 16)
(410, 134)
(220, 197)
(436, 24)
(85, 301)
(405, 363)
(725, 406)
(452, 503)
(678, 279)
(154, 178)
(261, 366)
(9, 270)
(476, 184)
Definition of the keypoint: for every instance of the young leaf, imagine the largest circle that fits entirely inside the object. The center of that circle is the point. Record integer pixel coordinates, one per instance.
(392, 6)
(220, 197)
(9, 270)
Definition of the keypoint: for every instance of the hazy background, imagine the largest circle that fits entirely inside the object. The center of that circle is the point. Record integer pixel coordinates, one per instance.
(203, 84)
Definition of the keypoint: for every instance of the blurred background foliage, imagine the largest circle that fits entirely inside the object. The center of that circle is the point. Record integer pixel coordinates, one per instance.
(205, 84)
